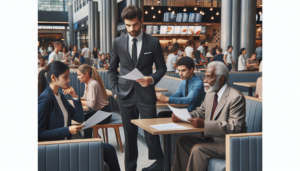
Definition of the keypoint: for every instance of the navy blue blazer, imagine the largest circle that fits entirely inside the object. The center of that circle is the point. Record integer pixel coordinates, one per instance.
(51, 119)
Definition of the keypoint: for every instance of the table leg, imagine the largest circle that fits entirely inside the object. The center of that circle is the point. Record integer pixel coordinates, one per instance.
(250, 91)
(167, 152)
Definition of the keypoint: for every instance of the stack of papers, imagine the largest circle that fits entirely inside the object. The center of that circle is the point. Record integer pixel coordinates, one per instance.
(167, 126)
(183, 114)
(135, 74)
(96, 118)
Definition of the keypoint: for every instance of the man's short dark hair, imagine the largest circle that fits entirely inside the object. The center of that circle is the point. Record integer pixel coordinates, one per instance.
(189, 42)
(220, 50)
(176, 45)
(173, 49)
(130, 12)
(203, 42)
(187, 61)
(254, 53)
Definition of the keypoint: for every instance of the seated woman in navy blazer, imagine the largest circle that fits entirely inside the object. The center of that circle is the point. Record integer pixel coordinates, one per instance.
(55, 112)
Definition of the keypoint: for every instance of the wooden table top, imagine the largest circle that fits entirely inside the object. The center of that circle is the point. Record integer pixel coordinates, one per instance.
(145, 124)
(163, 104)
(158, 89)
(245, 84)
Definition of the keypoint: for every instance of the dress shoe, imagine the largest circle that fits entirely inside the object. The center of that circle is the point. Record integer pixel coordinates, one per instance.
(156, 166)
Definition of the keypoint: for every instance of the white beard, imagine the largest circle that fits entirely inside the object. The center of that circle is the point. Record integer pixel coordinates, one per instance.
(213, 88)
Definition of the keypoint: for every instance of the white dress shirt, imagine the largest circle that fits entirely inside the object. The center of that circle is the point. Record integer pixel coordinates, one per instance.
(138, 44)
(63, 109)
(221, 91)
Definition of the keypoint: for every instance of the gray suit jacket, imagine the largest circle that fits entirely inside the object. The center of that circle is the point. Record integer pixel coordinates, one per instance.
(120, 55)
(229, 116)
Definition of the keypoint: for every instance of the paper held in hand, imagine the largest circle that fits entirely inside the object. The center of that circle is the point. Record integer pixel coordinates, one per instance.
(135, 74)
(96, 118)
(183, 114)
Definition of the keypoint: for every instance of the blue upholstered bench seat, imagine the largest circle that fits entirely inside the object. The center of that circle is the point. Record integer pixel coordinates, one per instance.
(115, 119)
(216, 165)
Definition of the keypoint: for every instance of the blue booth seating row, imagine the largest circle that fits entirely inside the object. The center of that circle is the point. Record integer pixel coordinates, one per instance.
(253, 122)
(80, 87)
(71, 155)
(233, 77)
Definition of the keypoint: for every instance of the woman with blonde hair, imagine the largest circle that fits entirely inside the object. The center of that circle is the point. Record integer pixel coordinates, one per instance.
(95, 96)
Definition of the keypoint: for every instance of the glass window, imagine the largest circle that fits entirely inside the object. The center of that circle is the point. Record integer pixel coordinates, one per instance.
(53, 5)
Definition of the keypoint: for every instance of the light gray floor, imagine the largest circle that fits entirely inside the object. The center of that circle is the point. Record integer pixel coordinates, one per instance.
(143, 160)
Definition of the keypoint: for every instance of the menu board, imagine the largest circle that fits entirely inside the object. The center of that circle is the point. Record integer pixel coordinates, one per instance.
(169, 17)
(172, 17)
(203, 29)
(170, 30)
(163, 29)
(198, 18)
(191, 30)
(179, 17)
(185, 17)
(184, 30)
(149, 29)
(156, 29)
(192, 17)
(177, 30)
(198, 29)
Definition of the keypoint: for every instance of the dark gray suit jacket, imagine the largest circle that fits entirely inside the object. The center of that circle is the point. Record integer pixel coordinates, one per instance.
(119, 54)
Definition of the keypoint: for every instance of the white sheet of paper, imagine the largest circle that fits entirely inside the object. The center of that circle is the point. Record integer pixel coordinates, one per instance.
(96, 118)
(167, 126)
(133, 75)
(183, 114)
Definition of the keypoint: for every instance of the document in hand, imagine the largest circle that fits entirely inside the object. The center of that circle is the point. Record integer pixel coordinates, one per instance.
(183, 114)
(96, 118)
(133, 75)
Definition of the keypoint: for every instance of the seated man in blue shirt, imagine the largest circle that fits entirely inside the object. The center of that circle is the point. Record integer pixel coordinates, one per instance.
(190, 91)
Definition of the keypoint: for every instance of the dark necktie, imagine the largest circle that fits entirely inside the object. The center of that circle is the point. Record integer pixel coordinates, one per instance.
(134, 52)
(214, 106)
(186, 88)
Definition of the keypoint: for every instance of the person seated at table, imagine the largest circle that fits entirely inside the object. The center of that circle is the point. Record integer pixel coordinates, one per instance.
(190, 90)
(222, 112)
(107, 58)
(252, 63)
(102, 62)
(242, 60)
(209, 55)
(219, 56)
(172, 60)
(76, 56)
(65, 54)
(95, 96)
(55, 112)
(42, 64)
(258, 90)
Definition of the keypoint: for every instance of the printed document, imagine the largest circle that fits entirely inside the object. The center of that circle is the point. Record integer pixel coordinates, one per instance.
(135, 74)
(96, 118)
(167, 126)
(183, 114)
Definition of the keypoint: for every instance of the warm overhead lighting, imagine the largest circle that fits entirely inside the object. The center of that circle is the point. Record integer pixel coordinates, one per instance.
(184, 9)
(146, 12)
(217, 13)
(200, 12)
(212, 17)
(195, 8)
(154, 16)
(259, 12)
(173, 12)
(159, 11)
(211, 9)
(62, 39)
(203, 13)
(158, 2)
(169, 8)
(261, 5)
(152, 7)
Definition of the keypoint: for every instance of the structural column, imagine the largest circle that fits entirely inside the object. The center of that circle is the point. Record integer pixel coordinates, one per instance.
(70, 18)
(247, 30)
(108, 26)
(128, 2)
(104, 34)
(236, 4)
(96, 24)
(226, 24)
(114, 20)
(91, 26)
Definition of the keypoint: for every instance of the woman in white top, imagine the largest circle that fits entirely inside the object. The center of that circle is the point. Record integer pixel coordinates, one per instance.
(228, 58)
(64, 54)
(43, 51)
(189, 49)
(242, 60)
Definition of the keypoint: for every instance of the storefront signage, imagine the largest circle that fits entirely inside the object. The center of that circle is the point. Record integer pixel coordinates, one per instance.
(76, 26)
(176, 30)
(51, 27)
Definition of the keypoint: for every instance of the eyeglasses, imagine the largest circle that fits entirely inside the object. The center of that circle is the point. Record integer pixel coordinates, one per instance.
(208, 78)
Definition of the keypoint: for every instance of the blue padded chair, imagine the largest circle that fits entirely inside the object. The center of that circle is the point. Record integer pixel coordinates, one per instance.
(71, 155)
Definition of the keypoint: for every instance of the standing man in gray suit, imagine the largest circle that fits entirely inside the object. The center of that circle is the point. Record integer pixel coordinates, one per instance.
(222, 112)
(137, 49)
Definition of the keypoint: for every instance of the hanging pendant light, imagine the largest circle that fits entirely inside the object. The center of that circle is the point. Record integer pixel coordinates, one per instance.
(195, 6)
(212, 17)
(159, 11)
(158, 2)
(259, 12)
(173, 12)
(217, 13)
(154, 16)
(152, 7)
(211, 9)
(146, 12)
(203, 13)
(169, 8)
(184, 9)
(200, 12)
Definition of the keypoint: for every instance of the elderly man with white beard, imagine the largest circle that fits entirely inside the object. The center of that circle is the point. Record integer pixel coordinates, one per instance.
(222, 112)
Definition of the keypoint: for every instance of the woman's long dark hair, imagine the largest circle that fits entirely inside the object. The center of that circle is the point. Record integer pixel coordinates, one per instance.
(56, 68)
(241, 51)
